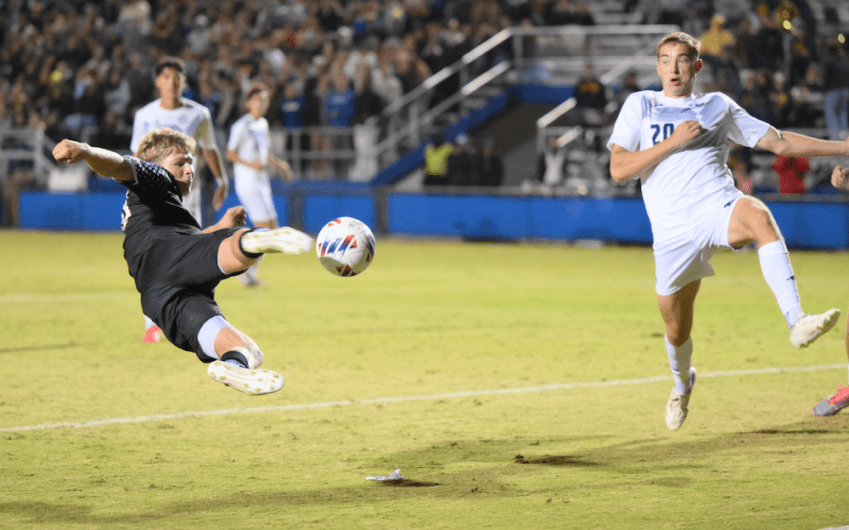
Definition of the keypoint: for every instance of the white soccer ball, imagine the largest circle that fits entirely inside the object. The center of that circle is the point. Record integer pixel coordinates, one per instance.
(345, 246)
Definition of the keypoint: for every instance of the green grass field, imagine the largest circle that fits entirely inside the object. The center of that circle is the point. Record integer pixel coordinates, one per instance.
(515, 386)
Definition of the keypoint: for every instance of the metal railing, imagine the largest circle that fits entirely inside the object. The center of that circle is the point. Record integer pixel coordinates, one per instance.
(23, 149)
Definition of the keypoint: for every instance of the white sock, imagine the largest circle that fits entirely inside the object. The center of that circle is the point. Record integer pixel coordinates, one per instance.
(679, 361)
(778, 273)
(148, 323)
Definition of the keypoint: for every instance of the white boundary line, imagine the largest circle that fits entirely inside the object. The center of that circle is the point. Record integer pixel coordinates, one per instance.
(403, 399)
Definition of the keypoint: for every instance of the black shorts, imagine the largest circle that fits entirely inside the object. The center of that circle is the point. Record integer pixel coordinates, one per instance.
(178, 283)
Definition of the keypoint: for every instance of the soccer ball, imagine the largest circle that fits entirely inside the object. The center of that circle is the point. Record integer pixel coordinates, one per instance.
(345, 246)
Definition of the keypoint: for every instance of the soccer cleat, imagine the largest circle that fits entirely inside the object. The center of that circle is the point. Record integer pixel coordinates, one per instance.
(834, 404)
(676, 407)
(258, 381)
(809, 328)
(153, 334)
(284, 239)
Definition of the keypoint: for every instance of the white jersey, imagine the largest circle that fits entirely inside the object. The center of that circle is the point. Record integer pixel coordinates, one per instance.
(684, 187)
(249, 137)
(251, 140)
(190, 118)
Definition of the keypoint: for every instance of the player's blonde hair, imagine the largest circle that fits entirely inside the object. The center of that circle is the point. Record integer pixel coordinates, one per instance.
(694, 45)
(159, 143)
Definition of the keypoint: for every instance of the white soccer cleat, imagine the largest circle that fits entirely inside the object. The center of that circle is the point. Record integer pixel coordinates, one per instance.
(676, 407)
(285, 240)
(254, 382)
(809, 328)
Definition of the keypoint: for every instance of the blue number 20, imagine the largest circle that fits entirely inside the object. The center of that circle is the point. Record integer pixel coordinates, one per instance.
(667, 131)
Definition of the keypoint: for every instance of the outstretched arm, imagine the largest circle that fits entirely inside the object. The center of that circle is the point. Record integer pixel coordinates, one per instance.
(102, 161)
(625, 165)
(792, 144)
(282, 167)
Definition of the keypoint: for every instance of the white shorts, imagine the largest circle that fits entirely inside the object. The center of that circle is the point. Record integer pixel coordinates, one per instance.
(255, 195)
(685, 258)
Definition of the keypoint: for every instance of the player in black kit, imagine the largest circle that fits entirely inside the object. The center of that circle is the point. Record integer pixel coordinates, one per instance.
(175, 264)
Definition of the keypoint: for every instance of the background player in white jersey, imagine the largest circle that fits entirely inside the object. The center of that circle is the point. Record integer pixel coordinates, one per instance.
(171, 110)
(249, 149)
(677, 143)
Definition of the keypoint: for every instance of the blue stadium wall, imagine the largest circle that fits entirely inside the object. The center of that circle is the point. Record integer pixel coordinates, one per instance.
(808, 224)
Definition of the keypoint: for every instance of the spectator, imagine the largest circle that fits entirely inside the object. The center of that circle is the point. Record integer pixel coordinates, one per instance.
(808, 99)
(409, 69)
(551, 165)
(715, 38)
(791, 173)
(836, 85)
(745, 46)
(726, 75)
(559, 13)
(490, 166)
(769, 42)
(340, 107)
(293, 114)
(461, 163)
(629, 86)
(591, 98)
(436, 157)
(582, 15)
(780, 99)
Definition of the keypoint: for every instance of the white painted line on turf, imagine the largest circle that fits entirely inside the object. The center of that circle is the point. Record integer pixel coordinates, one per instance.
(404, 399)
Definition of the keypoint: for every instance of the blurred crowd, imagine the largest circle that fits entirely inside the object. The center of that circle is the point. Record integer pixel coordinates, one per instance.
(70, 66)
(67, 65)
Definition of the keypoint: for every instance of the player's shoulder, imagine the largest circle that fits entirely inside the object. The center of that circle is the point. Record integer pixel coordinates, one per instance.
(640, 101)
(194, 106)
(148, 109)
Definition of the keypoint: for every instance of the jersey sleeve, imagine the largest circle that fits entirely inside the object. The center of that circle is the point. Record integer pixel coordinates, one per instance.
(148, 177)
(626, 129)
(205, 135)
(745, 129)
(235, 138)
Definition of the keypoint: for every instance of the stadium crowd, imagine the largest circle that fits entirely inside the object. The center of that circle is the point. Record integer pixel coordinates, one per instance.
(72, 67)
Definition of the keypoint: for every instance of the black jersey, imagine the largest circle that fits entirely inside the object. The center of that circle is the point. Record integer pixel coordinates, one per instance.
(174, 264)
(153, 210)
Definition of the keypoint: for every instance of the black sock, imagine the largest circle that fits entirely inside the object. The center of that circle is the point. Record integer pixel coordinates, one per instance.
(236, 357)
(252, 255)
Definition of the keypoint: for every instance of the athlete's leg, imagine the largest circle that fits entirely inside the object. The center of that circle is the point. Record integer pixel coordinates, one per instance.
(245, 247)
(677, 311)
(238, 357)
(251, 276)
(752, 221)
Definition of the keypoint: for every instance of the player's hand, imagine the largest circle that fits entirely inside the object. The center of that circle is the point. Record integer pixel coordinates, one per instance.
(686, 131)
(69, 151)
(220, 196)
(285, 170)
(234, 216)
(840, 177)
